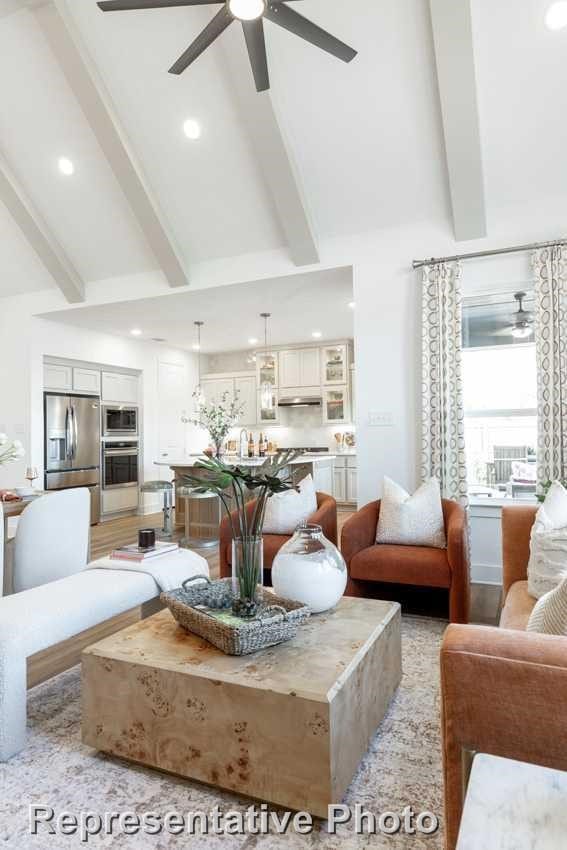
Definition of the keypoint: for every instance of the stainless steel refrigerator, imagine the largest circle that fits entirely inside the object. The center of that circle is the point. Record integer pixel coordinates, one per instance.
(72, 445)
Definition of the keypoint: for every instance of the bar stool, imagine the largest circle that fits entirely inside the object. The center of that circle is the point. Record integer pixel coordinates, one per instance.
(165, 487)
(202, 518)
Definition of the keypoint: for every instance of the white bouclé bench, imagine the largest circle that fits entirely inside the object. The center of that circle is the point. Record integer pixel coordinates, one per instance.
(44, 630)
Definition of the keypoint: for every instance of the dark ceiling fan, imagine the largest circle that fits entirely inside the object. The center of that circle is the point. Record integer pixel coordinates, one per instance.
(251, 13)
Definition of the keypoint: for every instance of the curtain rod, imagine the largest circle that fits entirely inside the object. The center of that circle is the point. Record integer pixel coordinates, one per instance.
(534, 246)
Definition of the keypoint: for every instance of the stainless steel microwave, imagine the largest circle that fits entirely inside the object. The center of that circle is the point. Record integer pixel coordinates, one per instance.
(119, 420)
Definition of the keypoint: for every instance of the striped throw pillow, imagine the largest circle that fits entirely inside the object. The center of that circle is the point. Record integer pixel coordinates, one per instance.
(549, 615)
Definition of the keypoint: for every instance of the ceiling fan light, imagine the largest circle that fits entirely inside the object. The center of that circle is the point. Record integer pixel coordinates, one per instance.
(522, 331)
(247, 10)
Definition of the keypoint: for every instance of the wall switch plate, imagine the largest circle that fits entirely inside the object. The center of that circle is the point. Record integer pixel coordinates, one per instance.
(377, 419)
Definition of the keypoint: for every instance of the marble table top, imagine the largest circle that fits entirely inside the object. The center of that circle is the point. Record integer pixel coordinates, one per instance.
(514, 806)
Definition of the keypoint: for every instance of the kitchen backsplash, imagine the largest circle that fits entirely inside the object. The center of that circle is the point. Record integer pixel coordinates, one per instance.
(302, 427)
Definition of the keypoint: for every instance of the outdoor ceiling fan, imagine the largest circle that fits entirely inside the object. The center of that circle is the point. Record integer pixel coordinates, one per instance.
(251, 13)
(522, 325)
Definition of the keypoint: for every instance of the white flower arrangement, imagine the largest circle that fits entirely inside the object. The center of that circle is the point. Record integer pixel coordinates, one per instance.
(10, 450)
(218, 418)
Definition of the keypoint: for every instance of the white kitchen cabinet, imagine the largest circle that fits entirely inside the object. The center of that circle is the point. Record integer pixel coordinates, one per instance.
(339, 489)
(334, 365)
(120, 388)
(346, 479)
(121, 499)
(290, 369)
(336, 408)
(246, 389)
(57, 377)
(310, 367)
(86, 381)
(351, 485)
(299, 368)
(323, 476)
(215, 388)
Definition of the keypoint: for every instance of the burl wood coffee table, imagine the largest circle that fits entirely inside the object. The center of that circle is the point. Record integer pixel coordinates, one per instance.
(288, 725)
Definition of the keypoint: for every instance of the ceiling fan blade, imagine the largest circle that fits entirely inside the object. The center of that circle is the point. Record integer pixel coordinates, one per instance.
(256, 45)
(291, 20)
(126, 5)
(216, 27)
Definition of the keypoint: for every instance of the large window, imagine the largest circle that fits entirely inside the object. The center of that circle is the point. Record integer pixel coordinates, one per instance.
(500, 391)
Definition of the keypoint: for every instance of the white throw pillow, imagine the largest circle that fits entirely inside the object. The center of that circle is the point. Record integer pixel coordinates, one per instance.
(285, 511)
(550, 613)
(548, 544)
(412, 520)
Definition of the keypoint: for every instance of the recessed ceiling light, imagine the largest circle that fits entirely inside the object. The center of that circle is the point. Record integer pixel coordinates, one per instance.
(66, 166)
(192, 129)
(247, 10)
(252, 341)
(352, 304)
(316, 334)
(136, 332)
(556, 17)
(196, 346)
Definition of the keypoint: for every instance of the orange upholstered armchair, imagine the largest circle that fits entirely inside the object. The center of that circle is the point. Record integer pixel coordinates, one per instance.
(325, 516)
(421, 566)
(504, 690)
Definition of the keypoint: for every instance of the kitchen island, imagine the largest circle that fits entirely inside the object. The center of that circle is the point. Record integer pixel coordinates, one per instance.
(201, 518)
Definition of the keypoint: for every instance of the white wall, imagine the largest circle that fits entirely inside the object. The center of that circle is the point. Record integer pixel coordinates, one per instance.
(21, 379)
(387, 323)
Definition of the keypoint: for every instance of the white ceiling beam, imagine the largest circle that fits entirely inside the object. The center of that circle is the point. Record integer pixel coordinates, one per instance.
(39, 236)
(272, 152)
(456, 75)
(96, 103)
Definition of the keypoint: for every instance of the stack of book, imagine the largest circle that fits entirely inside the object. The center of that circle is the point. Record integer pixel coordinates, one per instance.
(135, 553)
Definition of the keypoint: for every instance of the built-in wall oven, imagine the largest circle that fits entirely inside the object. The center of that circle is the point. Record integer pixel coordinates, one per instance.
(119, 420)
(120, 464)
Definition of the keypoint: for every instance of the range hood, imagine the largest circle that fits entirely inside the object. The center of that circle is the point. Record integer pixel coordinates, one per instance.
(300, 401)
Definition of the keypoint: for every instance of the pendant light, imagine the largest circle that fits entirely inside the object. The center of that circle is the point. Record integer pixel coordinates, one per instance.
(267, 389)
(198, 394)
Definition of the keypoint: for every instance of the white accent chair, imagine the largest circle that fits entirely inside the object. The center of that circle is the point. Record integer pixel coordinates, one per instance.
(61, 607)
(52, 540)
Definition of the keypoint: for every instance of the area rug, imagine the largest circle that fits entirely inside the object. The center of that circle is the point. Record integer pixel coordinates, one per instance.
(402, 768)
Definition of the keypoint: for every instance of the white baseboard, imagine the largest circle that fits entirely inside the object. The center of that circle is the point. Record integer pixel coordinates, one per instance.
(486, 574)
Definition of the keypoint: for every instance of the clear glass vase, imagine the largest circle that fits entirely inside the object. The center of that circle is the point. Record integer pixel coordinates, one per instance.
(247, 576)
(310, 569)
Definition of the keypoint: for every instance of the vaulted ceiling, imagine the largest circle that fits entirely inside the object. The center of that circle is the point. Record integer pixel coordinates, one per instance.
(445, 116)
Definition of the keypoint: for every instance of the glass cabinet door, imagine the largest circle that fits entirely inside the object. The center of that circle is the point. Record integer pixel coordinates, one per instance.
(334, 364)
(271, 416)
(267, 365)
(336, 405)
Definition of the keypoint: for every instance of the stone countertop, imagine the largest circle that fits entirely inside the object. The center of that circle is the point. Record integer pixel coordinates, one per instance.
(237, 461)
(513, 804)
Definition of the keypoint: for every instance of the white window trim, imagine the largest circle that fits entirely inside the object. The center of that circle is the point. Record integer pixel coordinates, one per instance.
(501, 414)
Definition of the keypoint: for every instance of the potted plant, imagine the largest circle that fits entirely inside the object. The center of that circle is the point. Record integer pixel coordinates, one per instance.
(218, 417)
(231, 484)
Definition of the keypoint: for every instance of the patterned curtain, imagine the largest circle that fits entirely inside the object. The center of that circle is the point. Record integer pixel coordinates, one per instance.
(443, 431)
(550, 266)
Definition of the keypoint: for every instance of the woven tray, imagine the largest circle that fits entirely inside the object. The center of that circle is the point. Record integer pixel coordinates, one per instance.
(278, 621)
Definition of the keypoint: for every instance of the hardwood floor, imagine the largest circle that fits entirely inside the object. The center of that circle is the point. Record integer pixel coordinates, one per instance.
(109, 535)
(120, 532)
